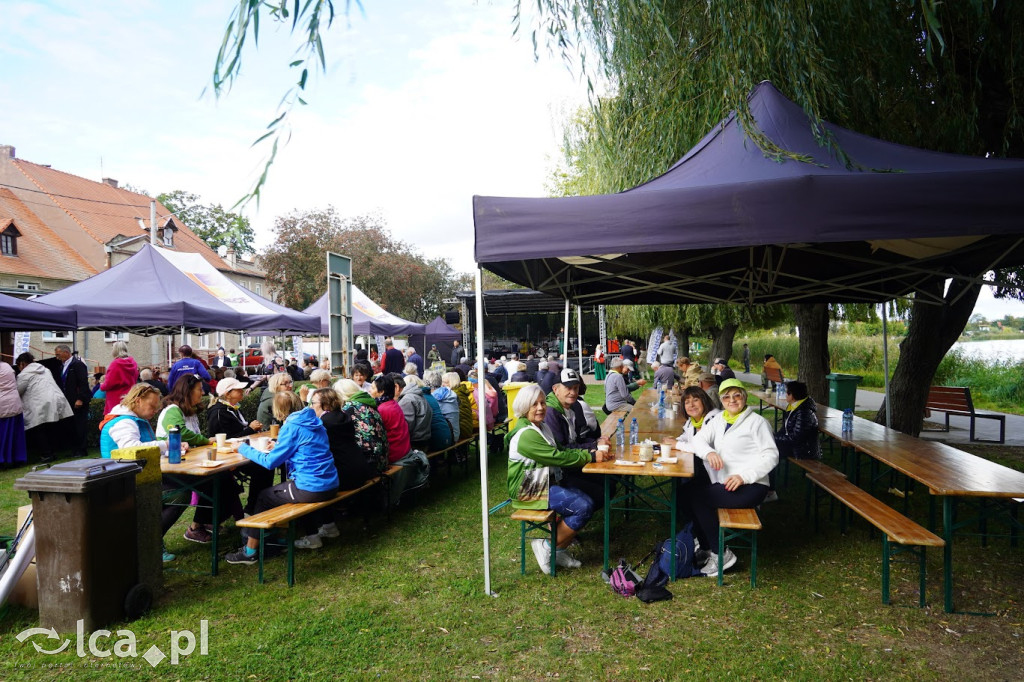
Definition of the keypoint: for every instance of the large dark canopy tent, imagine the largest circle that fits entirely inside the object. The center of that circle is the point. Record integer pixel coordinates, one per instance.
(857, 220)
(729, 224)
(21, 315)
(161, 292)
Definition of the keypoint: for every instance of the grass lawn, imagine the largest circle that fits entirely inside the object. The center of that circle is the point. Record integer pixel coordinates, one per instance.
(404, 600)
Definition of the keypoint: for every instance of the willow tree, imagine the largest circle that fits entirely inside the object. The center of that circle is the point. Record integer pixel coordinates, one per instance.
(941, 76)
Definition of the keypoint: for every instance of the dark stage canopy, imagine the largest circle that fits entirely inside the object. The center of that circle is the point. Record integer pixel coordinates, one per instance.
(728, 224)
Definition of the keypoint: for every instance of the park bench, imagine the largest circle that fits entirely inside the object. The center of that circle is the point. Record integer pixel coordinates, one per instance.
(957, 400)
(773, 375)
(286, 515)
(611, 422)
(739, 526)
(896, 529)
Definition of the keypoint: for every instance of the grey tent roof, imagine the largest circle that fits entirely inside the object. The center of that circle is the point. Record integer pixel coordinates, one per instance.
(728, 224)
(368, 318)
(20, 315)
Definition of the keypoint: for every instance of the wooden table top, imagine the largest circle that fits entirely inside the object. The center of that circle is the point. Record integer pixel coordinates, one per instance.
(191, 461)
(683, 468)
(943, 469)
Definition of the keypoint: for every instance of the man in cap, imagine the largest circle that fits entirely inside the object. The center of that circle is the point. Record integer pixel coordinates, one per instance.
(433, 355)
(722, 371)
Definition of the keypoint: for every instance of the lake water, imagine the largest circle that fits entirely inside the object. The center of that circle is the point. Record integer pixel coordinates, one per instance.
(993, 350)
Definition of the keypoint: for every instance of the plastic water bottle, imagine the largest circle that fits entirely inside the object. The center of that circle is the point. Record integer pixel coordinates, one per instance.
(661, 397)
(634, 432)
(657, 385)
(847, 423)
(780, 391)
(174, 445)
(661, 408)
(620, 436)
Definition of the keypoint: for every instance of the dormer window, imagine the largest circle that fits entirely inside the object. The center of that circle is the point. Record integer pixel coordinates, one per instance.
(168, 232)
(9, 239)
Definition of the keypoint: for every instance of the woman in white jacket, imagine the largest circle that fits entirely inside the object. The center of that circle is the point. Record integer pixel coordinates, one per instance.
(739, 450)
(44, 405)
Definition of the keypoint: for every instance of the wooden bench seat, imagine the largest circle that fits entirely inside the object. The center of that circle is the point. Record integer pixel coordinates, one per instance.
(738, 526)
(895, 527)
(956, 400)
(285, 516)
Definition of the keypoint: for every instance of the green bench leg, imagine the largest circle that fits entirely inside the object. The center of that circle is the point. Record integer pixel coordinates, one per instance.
(263, 541)
(721, 552)
(920, 588)
(885, 568)
(522, 548)
(749, 537)
(291, 554)
(527, 526)
(753, 559)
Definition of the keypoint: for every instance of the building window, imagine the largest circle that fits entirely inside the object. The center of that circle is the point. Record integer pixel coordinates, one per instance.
(28, 286)
(9, 238)
(111, 337)
(56, 337)
(259, 290)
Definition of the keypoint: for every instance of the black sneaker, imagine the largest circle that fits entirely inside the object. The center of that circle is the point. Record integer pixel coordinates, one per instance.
(242, 557)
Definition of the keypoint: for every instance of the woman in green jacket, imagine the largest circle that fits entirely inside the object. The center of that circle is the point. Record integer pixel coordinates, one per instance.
(534, 471)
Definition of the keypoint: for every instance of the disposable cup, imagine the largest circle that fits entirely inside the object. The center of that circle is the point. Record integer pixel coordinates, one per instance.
(222, 438)
(274, 429)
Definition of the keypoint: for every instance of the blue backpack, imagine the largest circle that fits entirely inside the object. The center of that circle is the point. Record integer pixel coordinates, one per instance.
(685, 566)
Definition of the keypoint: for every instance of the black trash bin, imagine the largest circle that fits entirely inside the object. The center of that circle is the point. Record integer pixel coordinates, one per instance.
(86, 557)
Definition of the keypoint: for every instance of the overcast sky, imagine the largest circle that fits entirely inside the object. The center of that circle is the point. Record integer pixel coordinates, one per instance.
(423, 105)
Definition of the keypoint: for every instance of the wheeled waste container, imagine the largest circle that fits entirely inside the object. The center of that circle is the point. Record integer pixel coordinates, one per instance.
(86, 557)
(842, 390)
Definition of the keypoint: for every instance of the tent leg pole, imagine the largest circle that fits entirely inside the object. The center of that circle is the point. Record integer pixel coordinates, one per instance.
(482, 434)
(579, 339)
(565, 333)
(885, 363)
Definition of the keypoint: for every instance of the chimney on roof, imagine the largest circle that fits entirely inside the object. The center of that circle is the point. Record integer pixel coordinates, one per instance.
(110, 181)
(6, 151)
(229, 255)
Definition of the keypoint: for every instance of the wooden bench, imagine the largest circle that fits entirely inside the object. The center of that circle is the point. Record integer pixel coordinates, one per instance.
(285, 516)
(739, 525)
(896, 528)
(431, 456)
(611, 422)
(957, 400)
(535, 519)
(773, 375)
(811, 466)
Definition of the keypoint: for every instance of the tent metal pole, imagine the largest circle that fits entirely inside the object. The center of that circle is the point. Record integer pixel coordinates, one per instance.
(885, 362)
(481, 373)
(579, 340)
(565, 333)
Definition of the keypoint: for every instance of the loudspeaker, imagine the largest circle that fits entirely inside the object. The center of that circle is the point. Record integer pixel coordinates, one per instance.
(452, 316)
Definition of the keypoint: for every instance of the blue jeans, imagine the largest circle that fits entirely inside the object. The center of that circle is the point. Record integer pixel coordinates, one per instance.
(573, 505)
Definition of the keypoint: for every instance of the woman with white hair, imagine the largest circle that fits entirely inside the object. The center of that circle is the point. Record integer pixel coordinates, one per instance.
(122, 374)
(319, 378)
(534, 471)
(441, 433)
(282, 381)
(446, 400)
(616, 390)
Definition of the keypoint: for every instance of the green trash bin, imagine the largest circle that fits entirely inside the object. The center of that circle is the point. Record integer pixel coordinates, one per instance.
(842, 390)
(87, 565)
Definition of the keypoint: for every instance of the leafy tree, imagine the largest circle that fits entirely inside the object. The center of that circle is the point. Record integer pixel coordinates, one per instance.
(387, 270)
(210, 222)
(932, 74)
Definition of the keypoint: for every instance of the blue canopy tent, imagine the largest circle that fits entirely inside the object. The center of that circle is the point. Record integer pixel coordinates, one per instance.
(158, 291)
(21, 315)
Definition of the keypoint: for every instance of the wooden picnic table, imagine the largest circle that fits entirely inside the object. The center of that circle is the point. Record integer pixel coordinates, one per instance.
(192, 475)
(948, 473)
(654, 496)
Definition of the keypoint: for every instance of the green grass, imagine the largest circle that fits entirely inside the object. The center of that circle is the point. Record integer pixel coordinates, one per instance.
(404, 600)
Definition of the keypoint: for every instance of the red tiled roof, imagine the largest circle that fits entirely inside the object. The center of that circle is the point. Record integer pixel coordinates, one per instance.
(40, 252)
(104, 212)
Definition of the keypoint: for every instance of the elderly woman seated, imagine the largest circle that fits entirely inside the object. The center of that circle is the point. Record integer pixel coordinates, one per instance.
(739, 449)
(446, 400)
(441, 433)
(418, 413)
(319, 378)
(617, 393)
(534, 473)
(277, 383)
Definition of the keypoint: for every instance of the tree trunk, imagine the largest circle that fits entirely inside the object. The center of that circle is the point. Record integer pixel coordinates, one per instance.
(683, 342)
(721, 342)
(812, 365)
(932, 331)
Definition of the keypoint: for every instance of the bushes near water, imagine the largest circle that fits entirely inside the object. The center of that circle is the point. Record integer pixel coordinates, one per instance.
(993, 384)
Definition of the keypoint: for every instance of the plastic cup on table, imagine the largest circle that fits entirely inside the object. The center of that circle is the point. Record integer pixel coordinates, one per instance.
(274, 429)
(222, 439)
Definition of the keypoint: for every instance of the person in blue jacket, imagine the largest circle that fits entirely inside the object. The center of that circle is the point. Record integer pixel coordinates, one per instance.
(188, 364)
(302, 445)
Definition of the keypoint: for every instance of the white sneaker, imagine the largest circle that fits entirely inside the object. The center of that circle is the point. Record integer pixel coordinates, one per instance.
(329, 530)
(309, 542)
(542, 551)
(711, 566)
(772, 496)
(566, 560)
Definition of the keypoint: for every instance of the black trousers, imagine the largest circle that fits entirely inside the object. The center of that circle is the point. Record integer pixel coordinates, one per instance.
(703, 499)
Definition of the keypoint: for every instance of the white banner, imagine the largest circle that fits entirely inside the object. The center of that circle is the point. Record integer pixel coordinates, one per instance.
(22, 343)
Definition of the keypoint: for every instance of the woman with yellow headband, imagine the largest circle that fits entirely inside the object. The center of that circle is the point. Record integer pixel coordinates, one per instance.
(739, 449)
(701, 411)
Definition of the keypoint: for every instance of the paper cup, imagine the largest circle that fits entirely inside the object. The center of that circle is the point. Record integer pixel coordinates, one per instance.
(603, 447)
(274, 429)
(262, 443)
(222, 438)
